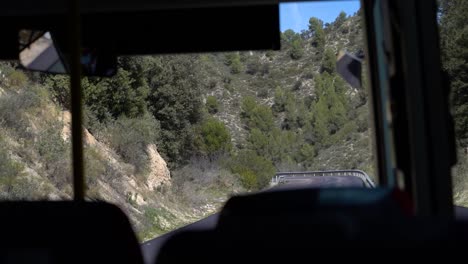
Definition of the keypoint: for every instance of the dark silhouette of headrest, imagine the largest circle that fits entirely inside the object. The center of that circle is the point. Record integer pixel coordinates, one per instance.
(66, 232)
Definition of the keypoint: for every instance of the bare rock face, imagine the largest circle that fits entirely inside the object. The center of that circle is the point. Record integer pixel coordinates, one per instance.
(159, 173)
(66, 130)
(65, 118)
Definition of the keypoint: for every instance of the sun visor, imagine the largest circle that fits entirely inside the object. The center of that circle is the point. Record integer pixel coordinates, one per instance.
(158, 31)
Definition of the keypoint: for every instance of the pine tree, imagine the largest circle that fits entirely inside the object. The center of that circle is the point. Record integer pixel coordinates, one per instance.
(329, 61)
(296, 49)
(318, 35)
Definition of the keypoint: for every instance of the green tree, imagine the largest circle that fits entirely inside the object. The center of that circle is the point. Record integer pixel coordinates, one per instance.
(296, 49)
(329, 61)
(294, 41)
(116, 96)
(230, 56)
(255, 171)
(306, 155)
(340, 19)
(262, 118)
(291, 113)
(279, 100)
(233, 60)
(280, 142)
(320, 123)
(331, 107)
(106, 98)
(59, 86)
(337, 113)
(213, 137)
(255, 115)
(289, 36)
(212, 104)
(248, 106)
(302, 113)
(175, 101)
(318, 35)
(258, 141)
(237, 66)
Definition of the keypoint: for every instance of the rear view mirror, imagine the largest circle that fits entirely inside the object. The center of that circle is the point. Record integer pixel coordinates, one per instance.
(349, 67)
(40, 52)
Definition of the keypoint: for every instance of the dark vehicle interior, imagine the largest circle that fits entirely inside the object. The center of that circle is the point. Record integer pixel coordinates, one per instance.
(413, 134)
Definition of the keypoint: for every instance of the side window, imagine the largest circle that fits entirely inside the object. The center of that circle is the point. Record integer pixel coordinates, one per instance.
(453, 15)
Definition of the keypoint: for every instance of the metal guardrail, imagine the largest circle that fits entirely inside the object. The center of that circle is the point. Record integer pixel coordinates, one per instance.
(281, 176)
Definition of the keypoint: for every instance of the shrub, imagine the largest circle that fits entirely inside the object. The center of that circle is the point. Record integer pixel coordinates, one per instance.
(129, 137)
(265, 69)
(248, 178)
(263, 92)
(212, 84)
(203, 178)
(213, 137)
(236, 66)
(212, 105)
(253, 67)
(59, 87)
(262, 118)
(296, 49)
(362, 120)
(13, 107)
(306, 155)
(247, 106)
(279, 100)
(258, 141)
(255, 172)
(55, 154)
(255, 115)
(153, 217)
(10, 174)
(345, 132)
(234, 61)
(329, 61)
(17, 79)
(340, 19)
(95, 166)
(270, 54)
(316, 29)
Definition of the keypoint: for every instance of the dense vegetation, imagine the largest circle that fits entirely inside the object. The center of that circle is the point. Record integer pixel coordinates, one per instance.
(251, 113)
(289, 105)
(454, 46)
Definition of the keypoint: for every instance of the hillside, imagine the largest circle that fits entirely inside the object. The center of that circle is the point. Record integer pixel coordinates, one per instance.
(287, 83)
(169, 138)
(35, 164)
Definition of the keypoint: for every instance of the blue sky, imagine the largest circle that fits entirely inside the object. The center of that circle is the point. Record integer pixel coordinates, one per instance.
(296, 16)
